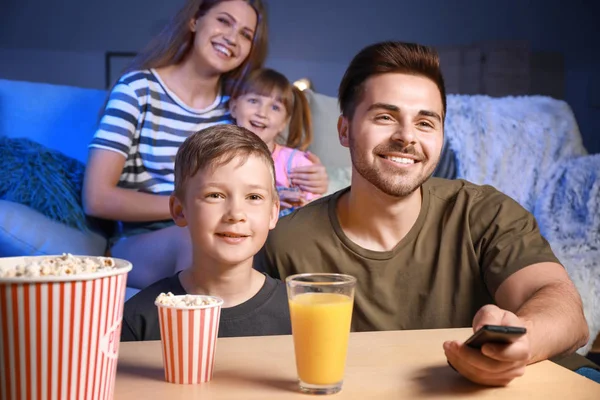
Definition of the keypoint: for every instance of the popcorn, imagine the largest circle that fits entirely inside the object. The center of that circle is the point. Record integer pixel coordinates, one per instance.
(185, 301)
(64, 265)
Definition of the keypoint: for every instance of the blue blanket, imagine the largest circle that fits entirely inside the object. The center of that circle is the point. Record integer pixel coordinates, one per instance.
(530, 148)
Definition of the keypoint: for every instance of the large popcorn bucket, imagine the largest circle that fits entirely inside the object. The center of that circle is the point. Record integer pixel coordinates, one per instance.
(59, 335)
(189, 340)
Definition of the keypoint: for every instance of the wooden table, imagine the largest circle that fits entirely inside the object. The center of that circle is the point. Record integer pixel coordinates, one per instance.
(380, 365)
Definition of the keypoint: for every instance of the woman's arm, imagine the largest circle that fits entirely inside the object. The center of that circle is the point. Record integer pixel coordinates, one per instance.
(102, 198)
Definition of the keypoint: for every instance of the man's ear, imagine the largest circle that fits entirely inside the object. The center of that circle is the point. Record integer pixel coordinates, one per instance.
(176, 208)
(343, 127)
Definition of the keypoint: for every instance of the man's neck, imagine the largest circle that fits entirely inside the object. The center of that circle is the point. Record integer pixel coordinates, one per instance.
(234, 284)
(191, 83)
(375, 220)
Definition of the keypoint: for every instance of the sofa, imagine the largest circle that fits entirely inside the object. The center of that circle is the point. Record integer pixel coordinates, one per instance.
(529, 147)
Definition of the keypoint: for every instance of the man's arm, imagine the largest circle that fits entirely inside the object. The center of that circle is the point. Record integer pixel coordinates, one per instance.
(543, 296)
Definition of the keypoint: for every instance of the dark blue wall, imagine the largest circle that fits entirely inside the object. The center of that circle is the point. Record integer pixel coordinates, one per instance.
(64, 41)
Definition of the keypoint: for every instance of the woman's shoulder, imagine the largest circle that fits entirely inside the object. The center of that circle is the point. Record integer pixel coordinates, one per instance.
(137, 79)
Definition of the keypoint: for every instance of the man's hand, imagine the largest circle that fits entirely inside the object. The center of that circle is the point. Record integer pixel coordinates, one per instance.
(496, 364)
(311, 178)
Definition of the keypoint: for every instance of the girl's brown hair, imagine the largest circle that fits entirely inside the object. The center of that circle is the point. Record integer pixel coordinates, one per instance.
(266, 81)
(174, 42)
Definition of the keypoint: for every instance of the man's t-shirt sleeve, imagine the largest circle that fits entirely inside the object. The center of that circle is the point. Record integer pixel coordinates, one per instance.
(506, 237)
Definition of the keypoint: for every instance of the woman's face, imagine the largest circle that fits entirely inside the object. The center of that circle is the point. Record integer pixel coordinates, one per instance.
(223, 36)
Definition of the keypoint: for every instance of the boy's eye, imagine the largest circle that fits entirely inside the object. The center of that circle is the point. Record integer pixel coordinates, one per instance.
(215, 196)
(255, 197)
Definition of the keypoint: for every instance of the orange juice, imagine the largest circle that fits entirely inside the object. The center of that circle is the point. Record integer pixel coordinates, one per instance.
(321, 326)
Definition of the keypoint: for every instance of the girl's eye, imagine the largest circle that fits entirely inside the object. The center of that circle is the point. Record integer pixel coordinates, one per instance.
(252, 100)
(276, 108)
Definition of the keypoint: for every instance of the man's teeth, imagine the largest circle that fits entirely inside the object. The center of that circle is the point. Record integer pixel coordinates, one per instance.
(401, 160)
(223, 49)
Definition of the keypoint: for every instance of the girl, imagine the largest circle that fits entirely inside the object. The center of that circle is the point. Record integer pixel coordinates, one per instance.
(177, 86)
(265, 104)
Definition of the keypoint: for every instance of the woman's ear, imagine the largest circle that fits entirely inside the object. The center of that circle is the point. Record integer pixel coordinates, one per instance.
(177, 213)
(192, 24)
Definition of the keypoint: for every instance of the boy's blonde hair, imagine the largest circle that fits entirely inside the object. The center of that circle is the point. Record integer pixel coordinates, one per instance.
(216, 146)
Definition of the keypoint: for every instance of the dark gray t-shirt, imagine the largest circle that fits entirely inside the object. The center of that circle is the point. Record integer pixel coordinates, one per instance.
(267, 313)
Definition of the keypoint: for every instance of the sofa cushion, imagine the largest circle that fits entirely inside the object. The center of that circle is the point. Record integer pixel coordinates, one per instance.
(43, 179)
(26, 232)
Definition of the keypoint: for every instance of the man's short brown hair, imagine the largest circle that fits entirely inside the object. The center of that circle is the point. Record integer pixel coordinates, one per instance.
(388, 57)
(216, 146)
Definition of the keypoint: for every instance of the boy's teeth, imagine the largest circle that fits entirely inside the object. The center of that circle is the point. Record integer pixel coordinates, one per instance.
(401, 160)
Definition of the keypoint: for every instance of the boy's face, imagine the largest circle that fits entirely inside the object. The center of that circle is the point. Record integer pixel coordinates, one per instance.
(265, 116)
(229, 210)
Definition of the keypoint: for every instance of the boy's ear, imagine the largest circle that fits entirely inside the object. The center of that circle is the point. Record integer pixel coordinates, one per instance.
(176, 208)
(343, 126)
(274, 217)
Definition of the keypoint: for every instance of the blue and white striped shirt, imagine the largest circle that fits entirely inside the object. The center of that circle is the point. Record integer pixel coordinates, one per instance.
(146, 123)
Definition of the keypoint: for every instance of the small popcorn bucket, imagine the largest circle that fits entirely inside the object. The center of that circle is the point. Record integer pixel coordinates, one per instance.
(189, 340)
(59, 335)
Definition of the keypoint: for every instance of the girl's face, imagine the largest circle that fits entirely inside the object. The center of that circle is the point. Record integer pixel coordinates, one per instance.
(223, 36)
(265, 116)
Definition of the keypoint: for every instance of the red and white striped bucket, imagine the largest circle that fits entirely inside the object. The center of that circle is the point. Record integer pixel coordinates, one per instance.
(189, 341)
(59, 335)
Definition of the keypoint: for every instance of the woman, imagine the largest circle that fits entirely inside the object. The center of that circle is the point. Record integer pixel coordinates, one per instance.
(180, 84)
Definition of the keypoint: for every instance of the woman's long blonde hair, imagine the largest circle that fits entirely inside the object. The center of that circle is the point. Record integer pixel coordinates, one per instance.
(174, 42)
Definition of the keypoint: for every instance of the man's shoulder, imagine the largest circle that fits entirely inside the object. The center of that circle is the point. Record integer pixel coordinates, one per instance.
(312, 215)
(452, 189)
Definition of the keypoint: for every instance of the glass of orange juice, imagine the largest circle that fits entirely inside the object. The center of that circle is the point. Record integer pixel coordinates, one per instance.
(321, 312)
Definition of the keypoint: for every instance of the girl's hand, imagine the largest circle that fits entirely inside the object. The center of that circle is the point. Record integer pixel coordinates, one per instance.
(311, 178)
(290, 198)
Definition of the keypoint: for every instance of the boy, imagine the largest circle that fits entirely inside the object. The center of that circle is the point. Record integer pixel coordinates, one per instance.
(225, 195)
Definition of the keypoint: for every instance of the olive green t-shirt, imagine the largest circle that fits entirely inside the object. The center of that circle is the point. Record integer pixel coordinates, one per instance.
(465, 242)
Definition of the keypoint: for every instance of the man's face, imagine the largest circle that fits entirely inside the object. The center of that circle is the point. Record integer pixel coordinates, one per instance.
(396, 133)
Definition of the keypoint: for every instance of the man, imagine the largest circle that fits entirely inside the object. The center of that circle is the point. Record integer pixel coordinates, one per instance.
(427, 252)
